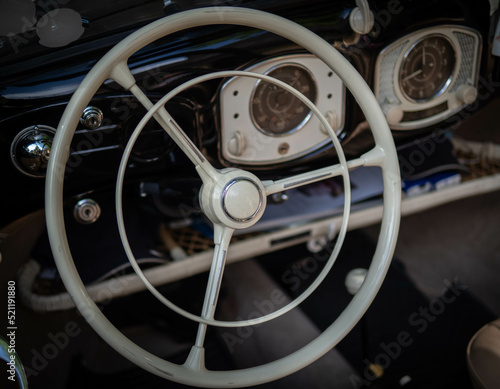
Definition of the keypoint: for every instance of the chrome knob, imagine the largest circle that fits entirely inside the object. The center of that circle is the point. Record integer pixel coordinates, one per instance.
(92, 118)
(30, 150)
(278, 198)
(86, 211)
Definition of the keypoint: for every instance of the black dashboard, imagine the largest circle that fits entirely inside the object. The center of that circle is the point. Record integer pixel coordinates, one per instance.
(426, 62)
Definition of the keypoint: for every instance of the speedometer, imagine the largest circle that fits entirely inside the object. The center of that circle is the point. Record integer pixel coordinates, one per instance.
(263, 124)
(276, 111)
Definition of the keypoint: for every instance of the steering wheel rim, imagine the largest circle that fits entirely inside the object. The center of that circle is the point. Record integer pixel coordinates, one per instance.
(114, 65)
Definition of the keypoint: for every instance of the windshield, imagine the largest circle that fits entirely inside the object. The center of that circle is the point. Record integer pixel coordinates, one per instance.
(31, 28)
(36, 33)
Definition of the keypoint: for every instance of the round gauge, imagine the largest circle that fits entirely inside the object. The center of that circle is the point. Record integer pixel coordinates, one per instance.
(427, 68)
(276, 111)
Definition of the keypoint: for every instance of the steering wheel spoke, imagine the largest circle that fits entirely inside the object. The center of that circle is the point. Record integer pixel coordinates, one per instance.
(377, 156)
(374, 157)
(168, 123)
(303, 179)
(222, 237)
(124, 77)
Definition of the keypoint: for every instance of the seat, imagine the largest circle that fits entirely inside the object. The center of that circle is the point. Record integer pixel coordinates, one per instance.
(483, 357)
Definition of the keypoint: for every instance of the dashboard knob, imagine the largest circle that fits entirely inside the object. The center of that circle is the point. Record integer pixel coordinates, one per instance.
(393, 114)
(278, 198)
(92, 118)
(355, 279)
(332, 118)
(237, 144)
(30, 150)
(467, 94)
(361, 18)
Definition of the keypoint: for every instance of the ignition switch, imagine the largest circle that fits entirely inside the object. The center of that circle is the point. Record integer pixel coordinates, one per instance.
(92, 118)
(86, 211)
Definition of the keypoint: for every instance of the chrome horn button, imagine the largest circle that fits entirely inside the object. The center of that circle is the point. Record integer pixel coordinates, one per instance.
(242, 199)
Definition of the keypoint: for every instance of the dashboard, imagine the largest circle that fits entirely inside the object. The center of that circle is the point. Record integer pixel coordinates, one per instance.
(424, 73)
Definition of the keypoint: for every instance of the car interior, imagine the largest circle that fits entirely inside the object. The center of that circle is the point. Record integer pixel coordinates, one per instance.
(250, 193)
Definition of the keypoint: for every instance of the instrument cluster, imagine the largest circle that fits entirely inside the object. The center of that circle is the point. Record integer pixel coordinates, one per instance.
(262, 123)
(427, 76)
(420, 79)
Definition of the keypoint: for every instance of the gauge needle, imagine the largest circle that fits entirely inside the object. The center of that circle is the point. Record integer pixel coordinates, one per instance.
(414, 74)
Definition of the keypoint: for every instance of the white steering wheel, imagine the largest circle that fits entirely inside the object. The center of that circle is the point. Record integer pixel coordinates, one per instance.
(231, 198)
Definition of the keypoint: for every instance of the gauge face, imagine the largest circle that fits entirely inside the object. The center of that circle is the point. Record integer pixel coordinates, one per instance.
(276, 111)
(427, 68)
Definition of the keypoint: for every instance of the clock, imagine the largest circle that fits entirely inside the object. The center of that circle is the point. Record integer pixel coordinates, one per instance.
(428, 75)
(427, 68)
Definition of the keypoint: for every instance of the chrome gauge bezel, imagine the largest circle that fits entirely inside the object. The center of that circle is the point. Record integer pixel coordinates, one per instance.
(259, 82)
